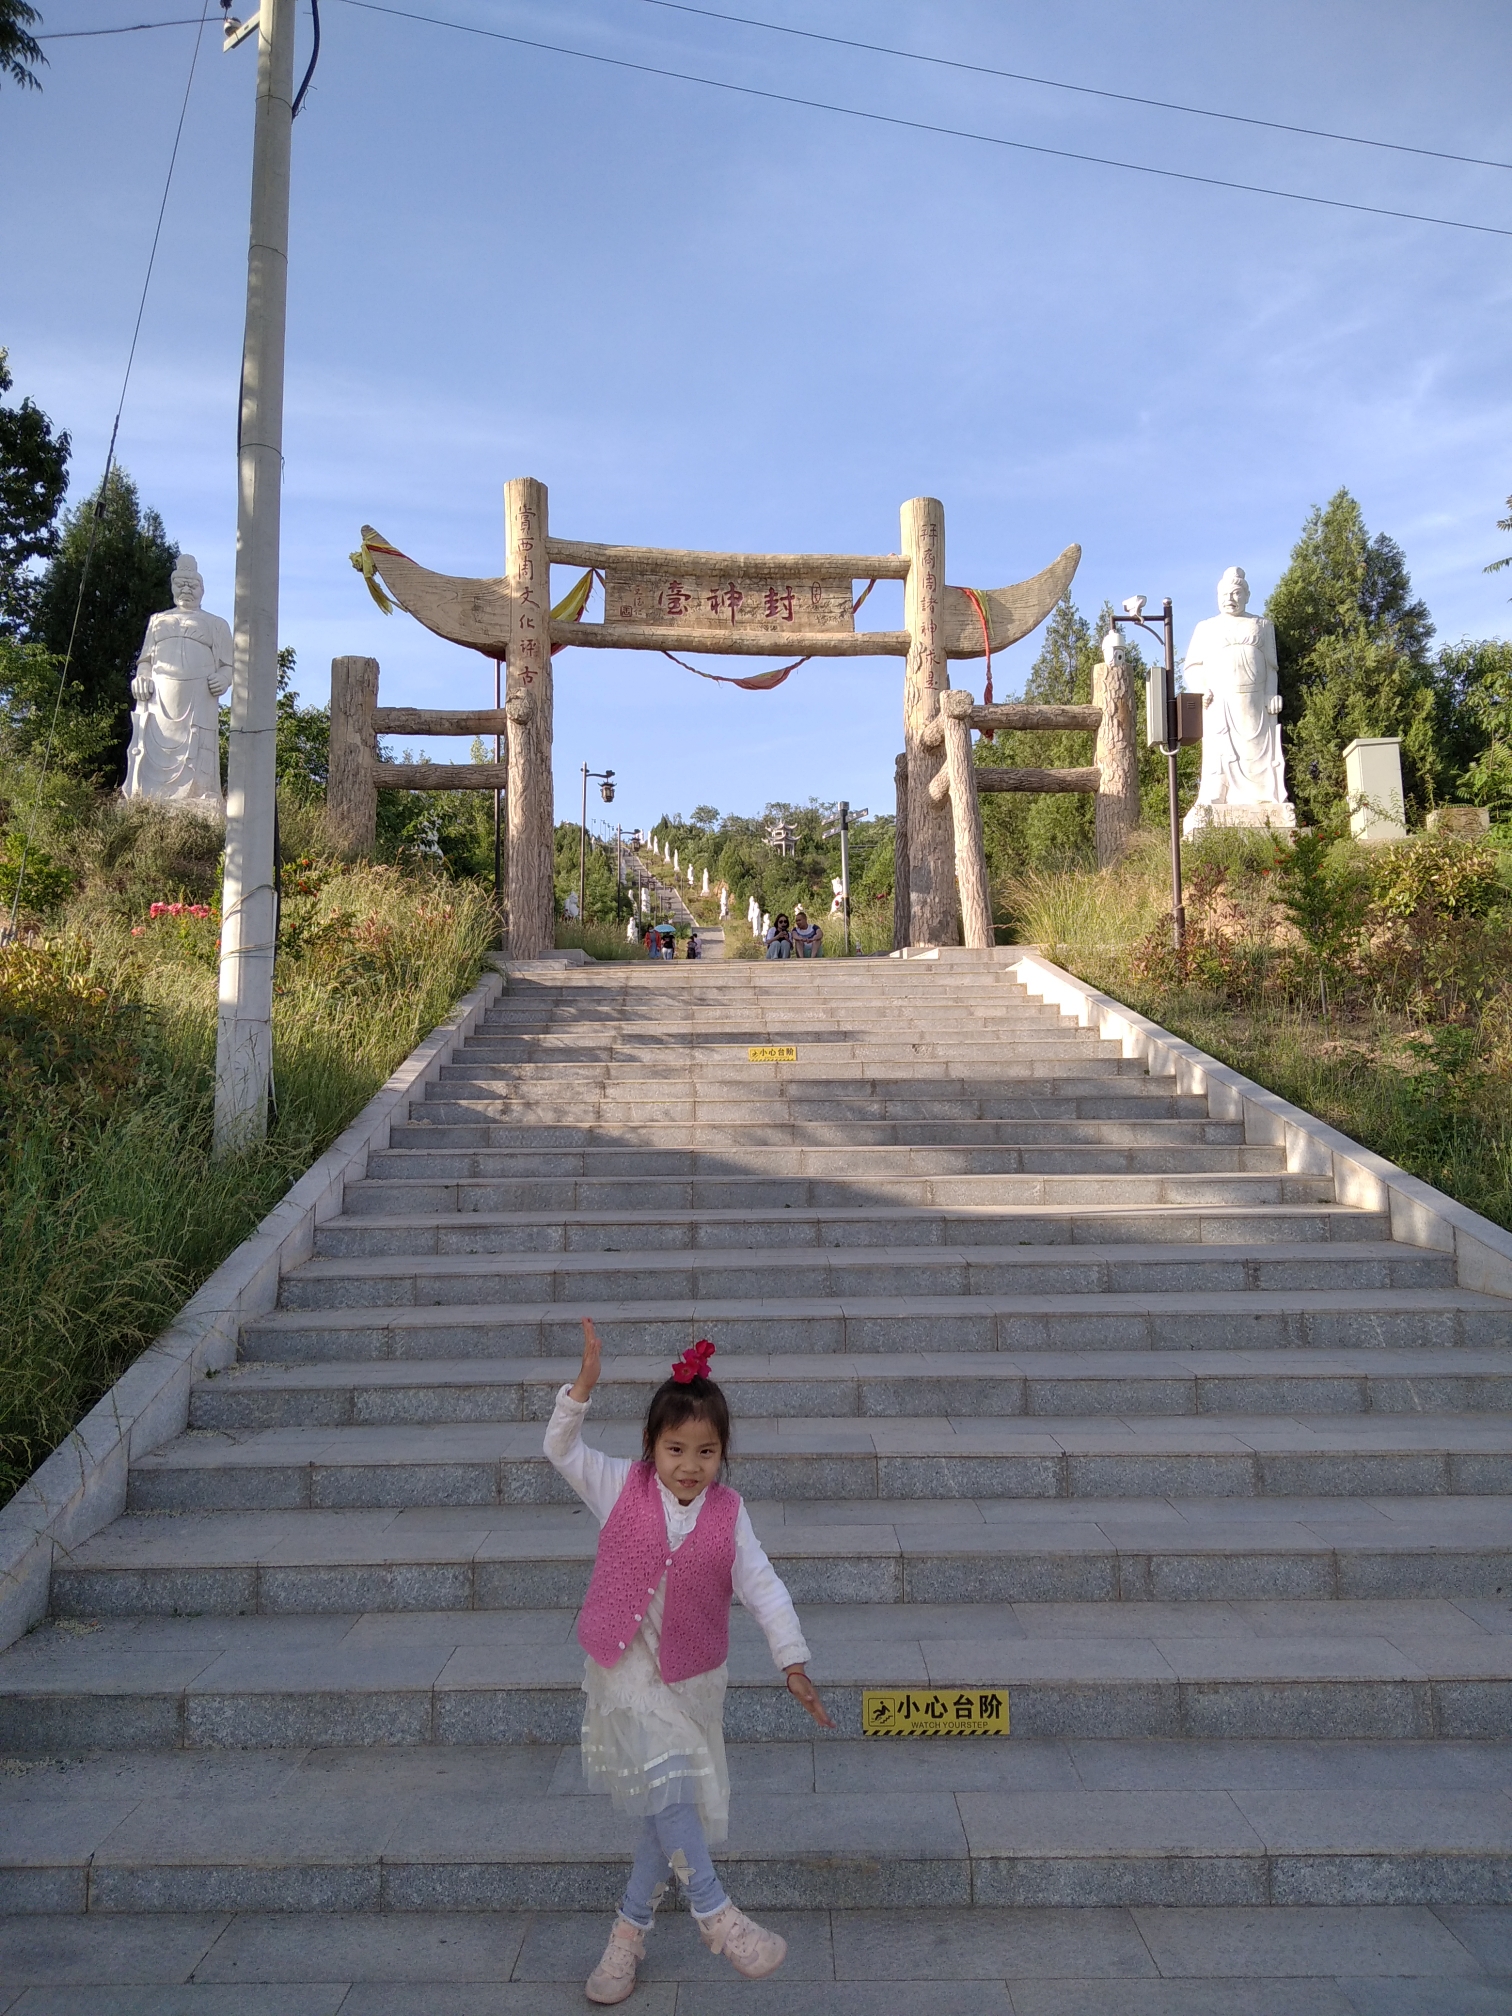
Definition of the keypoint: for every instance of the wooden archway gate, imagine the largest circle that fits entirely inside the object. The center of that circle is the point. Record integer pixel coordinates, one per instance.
(761, 604)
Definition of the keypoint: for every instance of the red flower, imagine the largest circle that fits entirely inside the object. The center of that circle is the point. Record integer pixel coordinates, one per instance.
(694, 1363)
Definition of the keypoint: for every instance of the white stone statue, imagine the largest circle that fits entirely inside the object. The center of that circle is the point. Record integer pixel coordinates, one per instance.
(705, 882)
(1231, 661)
(182, 670)
(724, 903)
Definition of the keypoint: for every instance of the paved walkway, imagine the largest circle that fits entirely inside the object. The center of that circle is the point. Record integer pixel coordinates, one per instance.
(1045, 1379)
(1407, 1960)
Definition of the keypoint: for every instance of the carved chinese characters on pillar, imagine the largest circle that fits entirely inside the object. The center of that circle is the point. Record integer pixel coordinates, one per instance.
(531, 613)
(704, 602)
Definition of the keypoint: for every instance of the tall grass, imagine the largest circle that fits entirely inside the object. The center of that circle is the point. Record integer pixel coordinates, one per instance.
(1418, 1069)
(599, 941)
(112, 1209)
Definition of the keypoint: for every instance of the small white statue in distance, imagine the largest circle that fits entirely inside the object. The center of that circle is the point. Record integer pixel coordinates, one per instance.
(1231, 661)
(182, 670)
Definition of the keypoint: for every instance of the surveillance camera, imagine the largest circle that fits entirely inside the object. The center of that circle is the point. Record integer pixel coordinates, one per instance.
(1134, 605)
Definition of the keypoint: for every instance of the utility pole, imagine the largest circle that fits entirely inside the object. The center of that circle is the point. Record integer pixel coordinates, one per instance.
(244, 1028)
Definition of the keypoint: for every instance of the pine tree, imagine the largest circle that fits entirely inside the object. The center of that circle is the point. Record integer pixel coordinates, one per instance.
(128, 579)
(33, 483)
(1027, 830)
(1352, 645)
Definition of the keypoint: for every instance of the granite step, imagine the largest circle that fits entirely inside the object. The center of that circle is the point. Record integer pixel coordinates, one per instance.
(742, 1273)
(885, 1386)
(359, 1233)
(738, 1078)
(1424, 1671)
(468, 1463)
(783, 1082)
(1253, 1320)
(399, 1188)
(450, 1102)
(445, 1127)
(1120, 1553)
(838, 1824)
(778, 1164)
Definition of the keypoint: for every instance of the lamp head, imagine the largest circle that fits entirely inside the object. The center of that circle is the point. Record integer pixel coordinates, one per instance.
(606, 788)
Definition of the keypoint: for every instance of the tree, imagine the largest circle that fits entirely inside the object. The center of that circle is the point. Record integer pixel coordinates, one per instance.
(1475, 688)
(1023, 831)
(18, 49)
(1502, 525)
(1352, 646)
(129, 572)
(304, 738)
(33, 483)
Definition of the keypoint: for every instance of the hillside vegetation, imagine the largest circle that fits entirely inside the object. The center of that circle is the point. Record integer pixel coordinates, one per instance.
(112, 1210)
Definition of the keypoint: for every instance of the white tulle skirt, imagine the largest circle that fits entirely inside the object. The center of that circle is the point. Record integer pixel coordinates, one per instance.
(650, 1743)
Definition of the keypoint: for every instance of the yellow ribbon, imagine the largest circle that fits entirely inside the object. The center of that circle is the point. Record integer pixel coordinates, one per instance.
(575, 601)
(362, 560)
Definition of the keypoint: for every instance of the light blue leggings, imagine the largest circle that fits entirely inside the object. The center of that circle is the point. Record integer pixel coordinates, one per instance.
(671, 1837)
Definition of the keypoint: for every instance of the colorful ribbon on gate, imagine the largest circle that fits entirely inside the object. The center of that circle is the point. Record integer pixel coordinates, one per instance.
(976, 602)
(760, 682)
(362, 560)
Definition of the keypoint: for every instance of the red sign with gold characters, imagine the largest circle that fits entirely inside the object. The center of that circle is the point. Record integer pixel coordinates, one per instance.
(935, 1711)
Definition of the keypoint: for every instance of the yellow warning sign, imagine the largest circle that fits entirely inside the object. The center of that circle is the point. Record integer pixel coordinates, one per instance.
(944, 1711)
(773, 1053)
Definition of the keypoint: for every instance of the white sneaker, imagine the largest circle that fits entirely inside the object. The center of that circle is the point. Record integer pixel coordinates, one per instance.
(614, 1977)
(750, 1949)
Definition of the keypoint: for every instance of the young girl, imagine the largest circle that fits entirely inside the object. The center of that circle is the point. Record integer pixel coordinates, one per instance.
(675, 1546)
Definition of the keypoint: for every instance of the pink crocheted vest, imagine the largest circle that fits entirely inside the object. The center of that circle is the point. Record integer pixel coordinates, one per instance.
(633, 1556)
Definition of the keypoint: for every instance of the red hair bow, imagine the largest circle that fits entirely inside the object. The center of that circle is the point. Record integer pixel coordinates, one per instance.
(694, 1363)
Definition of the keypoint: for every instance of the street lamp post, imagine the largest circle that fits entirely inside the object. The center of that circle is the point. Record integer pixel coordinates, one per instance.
(1170, 726)
(606, 792)
(842, 827)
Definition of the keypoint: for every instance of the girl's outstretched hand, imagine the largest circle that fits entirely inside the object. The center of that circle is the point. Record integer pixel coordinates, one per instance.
(592, 1365)
(803, 1689)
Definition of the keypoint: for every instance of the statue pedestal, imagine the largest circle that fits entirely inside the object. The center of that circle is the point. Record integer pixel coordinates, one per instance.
(1245, 817)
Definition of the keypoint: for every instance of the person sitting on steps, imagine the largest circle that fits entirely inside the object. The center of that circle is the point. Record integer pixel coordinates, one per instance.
(808, 939)
(779, 940)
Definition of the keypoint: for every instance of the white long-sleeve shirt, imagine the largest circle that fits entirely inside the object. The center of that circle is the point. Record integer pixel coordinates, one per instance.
(599, 1479)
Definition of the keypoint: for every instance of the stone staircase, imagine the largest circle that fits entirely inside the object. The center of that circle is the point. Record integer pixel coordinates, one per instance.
(1043, 1380)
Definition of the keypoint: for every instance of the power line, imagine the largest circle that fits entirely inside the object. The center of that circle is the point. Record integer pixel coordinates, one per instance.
(943, 63)
(928, 126)
(100, 500)
(1084, 90)
(129, 28)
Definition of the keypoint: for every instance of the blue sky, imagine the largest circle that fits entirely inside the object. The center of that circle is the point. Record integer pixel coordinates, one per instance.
(706, 319)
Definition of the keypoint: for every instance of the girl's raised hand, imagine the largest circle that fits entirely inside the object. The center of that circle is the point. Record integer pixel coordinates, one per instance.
(592, 1365)
(803, 1689)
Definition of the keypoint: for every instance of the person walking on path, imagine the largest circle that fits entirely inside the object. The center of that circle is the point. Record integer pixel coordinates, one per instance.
(675, 1547)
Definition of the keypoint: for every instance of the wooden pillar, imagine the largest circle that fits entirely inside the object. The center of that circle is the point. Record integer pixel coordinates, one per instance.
(966, 817)
(351, 795)
(1117, 760)
(528, 704)
(931, 847)
(900, 855)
